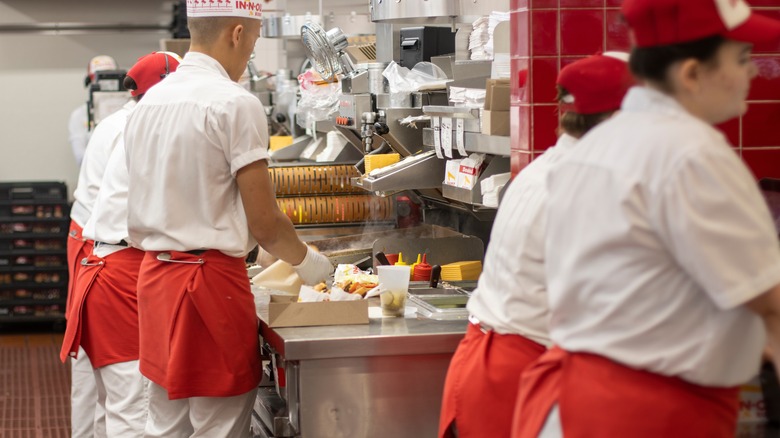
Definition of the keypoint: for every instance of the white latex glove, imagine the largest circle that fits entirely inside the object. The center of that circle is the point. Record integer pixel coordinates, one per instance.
(314, 268)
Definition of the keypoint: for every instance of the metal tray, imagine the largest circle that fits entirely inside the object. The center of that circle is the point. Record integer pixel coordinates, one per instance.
(440, 303)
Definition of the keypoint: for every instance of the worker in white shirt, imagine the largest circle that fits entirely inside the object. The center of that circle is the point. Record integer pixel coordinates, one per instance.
(78, 123)
(508, 322)
(200, 198)
(86, 421)
(104, 316)
(662, 261)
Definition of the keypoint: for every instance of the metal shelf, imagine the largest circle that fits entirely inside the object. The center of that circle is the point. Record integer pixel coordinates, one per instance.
(475, 142)
(408, 174)
(473, 196)
(34, 219)
(33, 285)
(31, 268)
(465, 196)
(63, 202)
(32, 302)
(33, 252)
(32, 318)
(36, 236)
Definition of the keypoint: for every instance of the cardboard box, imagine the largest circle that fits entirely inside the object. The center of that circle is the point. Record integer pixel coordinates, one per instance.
(451, 172)
(286, 311)
(469, 170)
(497, 93)
(495, 122)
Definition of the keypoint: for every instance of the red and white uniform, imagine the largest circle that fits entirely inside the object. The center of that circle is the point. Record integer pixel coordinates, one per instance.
(86, 417)
(103, 140)
(184, 197)
(508, 329)
(670, 239)
(103, 319)
(185, 142)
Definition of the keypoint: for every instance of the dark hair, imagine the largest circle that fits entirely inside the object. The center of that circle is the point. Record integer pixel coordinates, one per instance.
(576, 124)
(129, 84)
(206, 30)
(652, 63)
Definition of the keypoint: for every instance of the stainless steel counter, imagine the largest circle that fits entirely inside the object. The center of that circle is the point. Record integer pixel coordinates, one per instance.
(381, 337)
(383, 379)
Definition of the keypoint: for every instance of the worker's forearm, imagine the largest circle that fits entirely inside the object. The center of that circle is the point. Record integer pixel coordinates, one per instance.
(281, 241)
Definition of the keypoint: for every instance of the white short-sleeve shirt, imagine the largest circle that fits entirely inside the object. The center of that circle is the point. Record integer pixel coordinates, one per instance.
(108, 222)
(511, 296)
(103, 140)
(185, 142)
(78, 132)
(657, 234)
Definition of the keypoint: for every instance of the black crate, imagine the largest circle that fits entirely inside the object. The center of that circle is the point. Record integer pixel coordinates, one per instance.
(38, 190)
(34, 210)
(30, 243)
(33, 228)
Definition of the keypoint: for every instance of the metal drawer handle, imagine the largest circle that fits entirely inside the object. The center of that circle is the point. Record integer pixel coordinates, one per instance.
(166, 257)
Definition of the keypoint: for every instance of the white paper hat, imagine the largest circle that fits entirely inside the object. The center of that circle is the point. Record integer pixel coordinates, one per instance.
(225, 8)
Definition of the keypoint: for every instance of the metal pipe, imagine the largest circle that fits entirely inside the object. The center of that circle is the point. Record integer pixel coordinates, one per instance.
(81, 28)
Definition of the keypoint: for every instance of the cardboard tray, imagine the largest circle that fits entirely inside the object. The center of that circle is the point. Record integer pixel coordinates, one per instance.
(286, 311)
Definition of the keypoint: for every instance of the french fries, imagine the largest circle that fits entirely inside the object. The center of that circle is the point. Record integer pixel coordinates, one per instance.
(353, 287)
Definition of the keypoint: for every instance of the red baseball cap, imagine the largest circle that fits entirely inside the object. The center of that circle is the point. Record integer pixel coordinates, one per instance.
(665, 22)
(597, 83)
(151, 69)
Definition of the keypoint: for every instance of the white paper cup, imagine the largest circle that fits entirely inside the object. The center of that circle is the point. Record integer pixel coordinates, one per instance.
(395, 286)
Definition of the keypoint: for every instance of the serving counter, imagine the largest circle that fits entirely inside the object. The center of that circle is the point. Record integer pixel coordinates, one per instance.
(383, 379)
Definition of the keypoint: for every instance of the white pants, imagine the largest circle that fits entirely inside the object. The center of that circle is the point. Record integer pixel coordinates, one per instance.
(552, 426)
(198, 416)
(87, 418)
(122, 390)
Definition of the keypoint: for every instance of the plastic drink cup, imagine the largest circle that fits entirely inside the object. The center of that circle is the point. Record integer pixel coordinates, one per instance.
(395, 285)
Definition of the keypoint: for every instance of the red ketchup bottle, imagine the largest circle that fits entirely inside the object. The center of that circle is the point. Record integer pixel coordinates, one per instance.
(422, 271)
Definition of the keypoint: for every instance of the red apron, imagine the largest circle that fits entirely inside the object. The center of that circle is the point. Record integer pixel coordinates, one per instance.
(482, 382)
(199, 334)
(104, 317)
(78, 248)
(597, 397)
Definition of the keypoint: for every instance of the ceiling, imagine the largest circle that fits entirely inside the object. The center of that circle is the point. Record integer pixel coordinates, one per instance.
(142, 11)
(89, 11)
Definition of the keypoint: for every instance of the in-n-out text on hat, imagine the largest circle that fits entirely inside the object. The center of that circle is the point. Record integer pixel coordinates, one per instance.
(225, 8)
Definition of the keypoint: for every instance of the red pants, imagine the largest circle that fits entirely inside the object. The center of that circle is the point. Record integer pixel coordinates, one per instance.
(597, 397)
(104, 316)
(482, 382)
(198, 322)
(78, 248)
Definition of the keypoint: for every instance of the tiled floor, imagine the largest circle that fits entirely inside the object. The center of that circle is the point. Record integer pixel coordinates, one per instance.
(34, 387)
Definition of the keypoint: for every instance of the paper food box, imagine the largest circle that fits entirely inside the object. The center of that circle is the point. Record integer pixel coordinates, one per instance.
(468, 171)
(451, 172)
(286, 311)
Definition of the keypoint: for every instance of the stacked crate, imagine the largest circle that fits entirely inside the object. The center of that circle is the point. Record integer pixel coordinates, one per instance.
(34, 218)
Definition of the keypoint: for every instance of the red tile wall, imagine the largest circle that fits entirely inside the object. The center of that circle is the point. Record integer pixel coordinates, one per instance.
(549, 34)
